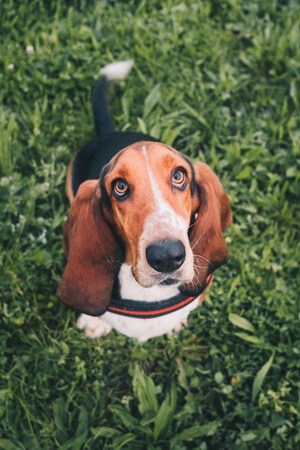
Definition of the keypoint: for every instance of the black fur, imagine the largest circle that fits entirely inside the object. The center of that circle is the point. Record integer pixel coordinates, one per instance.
(105, 200)
(102, 119)
(89, 161)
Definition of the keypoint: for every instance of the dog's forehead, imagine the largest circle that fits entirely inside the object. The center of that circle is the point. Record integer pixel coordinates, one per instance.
(136, 157)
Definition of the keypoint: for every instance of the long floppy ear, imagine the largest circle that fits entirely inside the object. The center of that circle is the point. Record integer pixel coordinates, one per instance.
(212, 217)
(93, 255)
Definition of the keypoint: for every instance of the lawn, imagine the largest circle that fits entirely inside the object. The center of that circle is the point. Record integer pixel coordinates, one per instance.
(220, 82)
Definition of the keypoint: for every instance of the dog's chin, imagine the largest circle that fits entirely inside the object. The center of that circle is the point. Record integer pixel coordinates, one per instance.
(165, 281)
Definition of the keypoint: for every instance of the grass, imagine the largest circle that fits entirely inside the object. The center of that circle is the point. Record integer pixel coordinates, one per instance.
(220, 82)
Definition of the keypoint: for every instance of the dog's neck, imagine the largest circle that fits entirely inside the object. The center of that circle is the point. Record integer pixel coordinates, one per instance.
(131, 289)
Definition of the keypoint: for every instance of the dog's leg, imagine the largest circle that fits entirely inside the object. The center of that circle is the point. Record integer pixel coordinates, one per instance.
(93, 327)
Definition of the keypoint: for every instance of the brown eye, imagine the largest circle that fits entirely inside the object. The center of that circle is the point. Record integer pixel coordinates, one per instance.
(178, 178)
(120, 187)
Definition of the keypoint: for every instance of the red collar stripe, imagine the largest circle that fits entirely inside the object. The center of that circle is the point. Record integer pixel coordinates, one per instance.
(154, 313)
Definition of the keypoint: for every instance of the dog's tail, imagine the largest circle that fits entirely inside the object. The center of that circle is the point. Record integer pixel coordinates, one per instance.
(102, 118)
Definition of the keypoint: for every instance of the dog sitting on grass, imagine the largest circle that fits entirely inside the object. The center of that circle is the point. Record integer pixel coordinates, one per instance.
(144, 232)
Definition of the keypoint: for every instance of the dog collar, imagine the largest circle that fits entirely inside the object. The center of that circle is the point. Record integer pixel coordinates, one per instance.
(147, 310)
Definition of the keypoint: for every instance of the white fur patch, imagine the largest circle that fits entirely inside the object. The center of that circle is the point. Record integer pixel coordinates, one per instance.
(93, 327)
(117, 70)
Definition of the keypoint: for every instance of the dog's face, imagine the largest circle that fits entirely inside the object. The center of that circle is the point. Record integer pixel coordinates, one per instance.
(168, 214)
(149, 192)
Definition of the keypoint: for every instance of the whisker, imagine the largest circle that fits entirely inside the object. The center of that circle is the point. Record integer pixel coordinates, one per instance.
(197, 263)
(198, 239)
(203, 258)
(199, 267)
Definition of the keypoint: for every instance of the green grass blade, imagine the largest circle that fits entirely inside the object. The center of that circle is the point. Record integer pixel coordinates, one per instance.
(7, 444)
(151, 100)
(250, 338)
(240, 322)
(198, 431)
(165, 413)
(144, 389)
(260, 376)
(126, 418)
(105, 432)
(119, 442)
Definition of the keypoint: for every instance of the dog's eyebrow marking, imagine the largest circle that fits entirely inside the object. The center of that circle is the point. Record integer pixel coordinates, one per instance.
(116, 159)
(123, 171)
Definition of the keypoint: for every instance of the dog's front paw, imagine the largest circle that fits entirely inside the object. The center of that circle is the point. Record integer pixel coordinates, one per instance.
(93, 327)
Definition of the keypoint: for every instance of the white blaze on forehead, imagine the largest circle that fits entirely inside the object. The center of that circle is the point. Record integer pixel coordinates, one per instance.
(162, 223)
(162, 209)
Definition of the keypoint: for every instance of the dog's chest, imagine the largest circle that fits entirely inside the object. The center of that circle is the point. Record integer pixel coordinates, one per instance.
(143, 329)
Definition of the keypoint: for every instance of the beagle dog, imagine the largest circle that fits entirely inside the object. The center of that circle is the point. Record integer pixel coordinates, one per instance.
(144, 232)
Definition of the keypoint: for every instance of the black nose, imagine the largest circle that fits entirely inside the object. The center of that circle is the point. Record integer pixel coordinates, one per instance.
(166, 256)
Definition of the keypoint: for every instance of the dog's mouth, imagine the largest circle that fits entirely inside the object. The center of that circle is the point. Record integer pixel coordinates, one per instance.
(169, 281)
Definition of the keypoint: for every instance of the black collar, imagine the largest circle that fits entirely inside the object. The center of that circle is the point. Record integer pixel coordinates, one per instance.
(146, 310)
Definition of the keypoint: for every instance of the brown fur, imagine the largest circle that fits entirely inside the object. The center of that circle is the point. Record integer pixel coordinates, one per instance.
(92, 253)
(214, 216)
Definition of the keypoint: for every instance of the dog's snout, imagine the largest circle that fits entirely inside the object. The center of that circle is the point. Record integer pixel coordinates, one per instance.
(166, 256)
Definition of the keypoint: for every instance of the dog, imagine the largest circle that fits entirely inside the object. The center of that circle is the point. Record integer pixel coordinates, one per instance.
(144, 232)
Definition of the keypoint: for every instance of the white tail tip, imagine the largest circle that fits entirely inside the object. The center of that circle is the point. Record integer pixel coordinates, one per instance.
(117, 70)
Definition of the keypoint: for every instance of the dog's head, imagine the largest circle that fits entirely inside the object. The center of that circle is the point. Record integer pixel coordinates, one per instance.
(153, 210)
